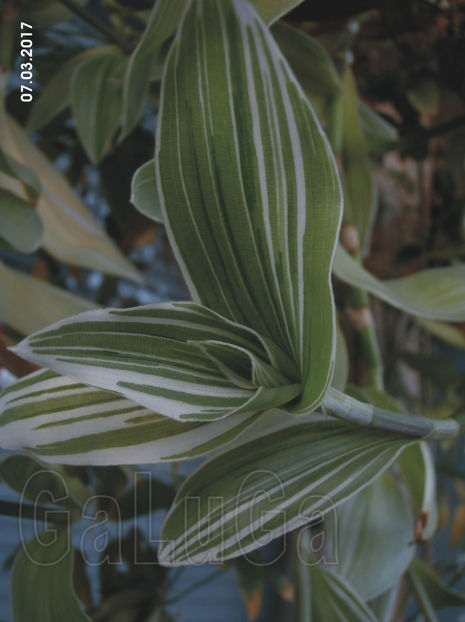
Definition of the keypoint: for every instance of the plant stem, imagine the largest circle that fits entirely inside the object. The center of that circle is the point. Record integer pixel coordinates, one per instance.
(349, 409)
(96, 23)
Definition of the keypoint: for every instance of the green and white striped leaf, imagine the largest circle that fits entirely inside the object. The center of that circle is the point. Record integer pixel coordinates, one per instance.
(241, 499)
(249, 188)
(371, 536)
(155, 356)
(272, 10)
(144, 192)
(65, 422)
(51, 304)
(43, 569)
(20, 223)
(71, 233)
(435, 293)
(97, 100)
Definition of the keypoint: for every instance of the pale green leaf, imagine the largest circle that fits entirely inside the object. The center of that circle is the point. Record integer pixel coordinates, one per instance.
(151, 355)
(55, 96)
(144, 192)
(20, 223)
(329, 597)
(309, 60)
(97, 100)
(359, 183)
(71, 234)
(371, 536)
(51, 303)
(247, 184)
(65, 422)
(435, 293)
(42, 580)
(241, 499)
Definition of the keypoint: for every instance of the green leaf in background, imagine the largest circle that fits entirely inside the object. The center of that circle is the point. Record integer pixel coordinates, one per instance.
(159, 356)
(161, 26)
(247, 184)
(341, 367)
(51, 303)
(144, 192)
(435, 293)
(425, 96)
(431, 589)
(12, 168)
(371, 536)
(379, 134)
(21, 224)
(56, 95)
(309, 60)
(65, 422)
(97, 100)
(359, 181)
(265, 491)
(42, 580)
(66, 220)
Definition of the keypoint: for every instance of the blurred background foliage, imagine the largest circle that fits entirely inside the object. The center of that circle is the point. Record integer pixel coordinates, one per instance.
(404, 182)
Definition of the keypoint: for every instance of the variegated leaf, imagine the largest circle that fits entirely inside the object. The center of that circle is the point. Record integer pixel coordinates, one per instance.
(241, 499)
(63, 421)
(249, 188)
(161, 357)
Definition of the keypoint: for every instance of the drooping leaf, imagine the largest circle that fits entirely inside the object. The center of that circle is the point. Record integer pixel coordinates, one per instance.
(20, 222)
(309, 60)
(435, 293)
(359, 182)
(67, 222)
(56, 94)
(97, 100)
(247, 184)
(51, 303)
(155, 355)
(446, 332)
(65, 422)
(371, 537)
(43, 571)
(241, 499)
(144, 192)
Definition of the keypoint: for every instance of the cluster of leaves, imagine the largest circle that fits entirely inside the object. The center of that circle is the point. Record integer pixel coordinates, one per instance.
(250, 114)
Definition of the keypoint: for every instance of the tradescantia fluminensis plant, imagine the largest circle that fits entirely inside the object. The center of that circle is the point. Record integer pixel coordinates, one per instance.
(247, 186)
